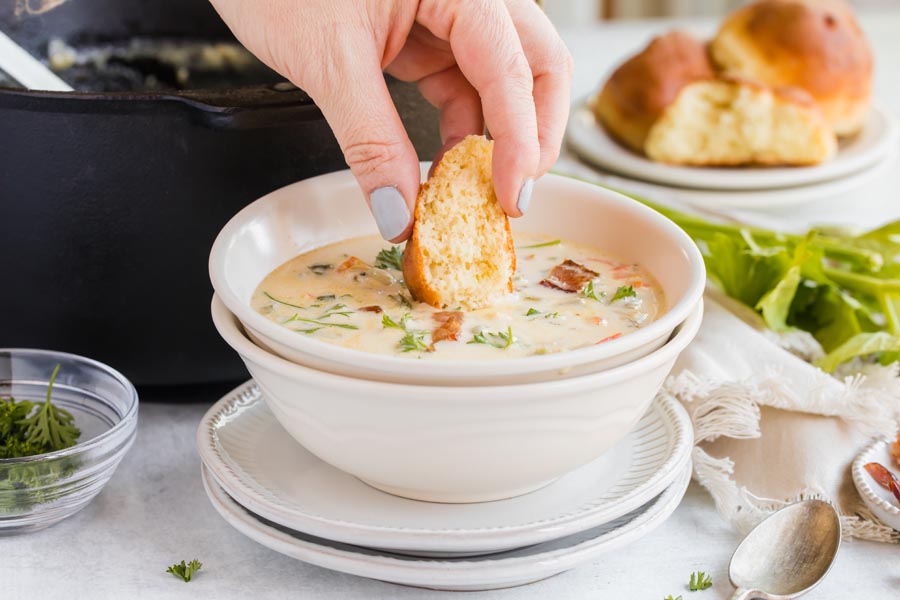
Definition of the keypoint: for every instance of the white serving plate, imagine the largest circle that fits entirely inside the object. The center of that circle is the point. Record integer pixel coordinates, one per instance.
(495, 571)
(591, 141)
(879, 500)
(329, 208)
(772, 200)
(456, 444)
(264, 469)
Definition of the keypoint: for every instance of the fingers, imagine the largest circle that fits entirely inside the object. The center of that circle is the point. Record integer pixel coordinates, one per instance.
(354, 98)
(490, 56)
(460, 107)
(551, 65)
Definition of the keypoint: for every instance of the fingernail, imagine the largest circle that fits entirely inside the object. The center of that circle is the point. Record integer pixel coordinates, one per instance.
(525, 195)
(390, 211)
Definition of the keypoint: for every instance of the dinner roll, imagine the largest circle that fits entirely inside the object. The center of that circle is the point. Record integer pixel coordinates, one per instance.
(638, 91)
(461, 251)
(816, 45)
(729, 122)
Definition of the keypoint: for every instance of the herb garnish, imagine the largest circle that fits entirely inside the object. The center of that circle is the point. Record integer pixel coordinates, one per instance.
(320, 269)
(669, 597)
(401, 299)
(274, 299)
(623, 292)
(589, 292)
(47, 429)
(413, 341)
(388, 322)
(185, 571)
(500, 339)
(27, 429)
(700, 581)
(390, 259)
(533, 312)
(337, 309)
(543, 244)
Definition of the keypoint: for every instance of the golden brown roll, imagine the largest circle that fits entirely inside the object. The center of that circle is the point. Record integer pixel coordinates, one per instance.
(636, 94)
(816, 45)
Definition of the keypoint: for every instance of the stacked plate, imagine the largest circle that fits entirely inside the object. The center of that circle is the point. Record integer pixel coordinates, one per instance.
(274, 491)
(859, 159)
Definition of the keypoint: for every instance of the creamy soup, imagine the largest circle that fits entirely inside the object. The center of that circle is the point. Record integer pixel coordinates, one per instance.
(565, 296)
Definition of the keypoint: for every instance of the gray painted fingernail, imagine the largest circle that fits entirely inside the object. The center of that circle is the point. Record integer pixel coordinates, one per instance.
(525, 195)
(390, 211)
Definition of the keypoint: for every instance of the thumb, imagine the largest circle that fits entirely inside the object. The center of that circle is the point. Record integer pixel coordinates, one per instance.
(358, 107)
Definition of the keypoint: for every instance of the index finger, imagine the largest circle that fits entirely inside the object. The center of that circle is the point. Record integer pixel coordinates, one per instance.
(490, 55)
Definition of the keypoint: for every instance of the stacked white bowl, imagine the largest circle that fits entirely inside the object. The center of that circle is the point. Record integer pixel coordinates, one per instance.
(443, 430)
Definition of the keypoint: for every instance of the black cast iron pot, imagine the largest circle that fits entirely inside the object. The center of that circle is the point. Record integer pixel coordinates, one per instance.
(109, 202)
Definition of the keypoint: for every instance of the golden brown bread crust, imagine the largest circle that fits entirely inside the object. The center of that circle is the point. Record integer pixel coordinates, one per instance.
(413, 257)
(815, 45)
(642, 87)
(414, 262)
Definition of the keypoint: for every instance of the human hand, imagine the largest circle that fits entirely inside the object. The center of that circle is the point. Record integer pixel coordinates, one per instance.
(498, 63)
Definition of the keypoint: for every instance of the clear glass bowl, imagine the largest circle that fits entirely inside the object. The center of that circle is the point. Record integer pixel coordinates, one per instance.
(38, 491)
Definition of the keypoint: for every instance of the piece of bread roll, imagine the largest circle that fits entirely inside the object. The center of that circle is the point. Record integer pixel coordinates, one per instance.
(816, 45)
(637, 92)
(461, 252)
(726, 122)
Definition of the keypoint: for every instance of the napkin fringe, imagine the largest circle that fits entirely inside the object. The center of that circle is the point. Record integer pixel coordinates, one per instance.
(744, 511)
(732, 409)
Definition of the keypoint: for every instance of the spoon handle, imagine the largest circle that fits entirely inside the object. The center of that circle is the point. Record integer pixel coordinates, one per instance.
(744, 594)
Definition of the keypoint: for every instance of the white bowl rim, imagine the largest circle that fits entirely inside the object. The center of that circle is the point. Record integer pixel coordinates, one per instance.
(227, 325)
(396, 364)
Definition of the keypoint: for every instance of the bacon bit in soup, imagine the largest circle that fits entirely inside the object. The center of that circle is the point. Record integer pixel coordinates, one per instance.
(353, 263)
(569, 276)
(623, 272)
(614, 336)
(449, 326)
(374, 309)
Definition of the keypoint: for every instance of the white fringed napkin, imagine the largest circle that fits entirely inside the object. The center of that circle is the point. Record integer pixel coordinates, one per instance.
(770, 428)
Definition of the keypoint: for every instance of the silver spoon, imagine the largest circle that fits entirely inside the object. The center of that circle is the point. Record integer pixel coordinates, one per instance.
(788, 554)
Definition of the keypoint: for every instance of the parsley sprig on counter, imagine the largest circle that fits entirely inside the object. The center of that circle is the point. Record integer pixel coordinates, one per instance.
(700, 581)
(184, 571)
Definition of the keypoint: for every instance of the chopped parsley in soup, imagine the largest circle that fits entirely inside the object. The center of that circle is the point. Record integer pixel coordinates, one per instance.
(565, 296)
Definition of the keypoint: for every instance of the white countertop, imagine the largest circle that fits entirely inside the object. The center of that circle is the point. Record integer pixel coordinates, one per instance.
(154, 511)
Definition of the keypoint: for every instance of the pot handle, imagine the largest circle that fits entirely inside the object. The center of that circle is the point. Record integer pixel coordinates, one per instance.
(248, 107)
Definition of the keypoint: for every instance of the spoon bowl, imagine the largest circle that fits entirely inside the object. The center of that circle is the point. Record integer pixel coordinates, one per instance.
(788, 554)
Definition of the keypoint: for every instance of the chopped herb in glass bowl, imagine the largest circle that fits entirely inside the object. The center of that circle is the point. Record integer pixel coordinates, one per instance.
(65, 423)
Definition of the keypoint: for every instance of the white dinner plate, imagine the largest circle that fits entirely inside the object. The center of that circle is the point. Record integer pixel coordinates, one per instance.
(592, 142)
(507, 569)
(879, 500)
(265, 469)
(773, 199)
